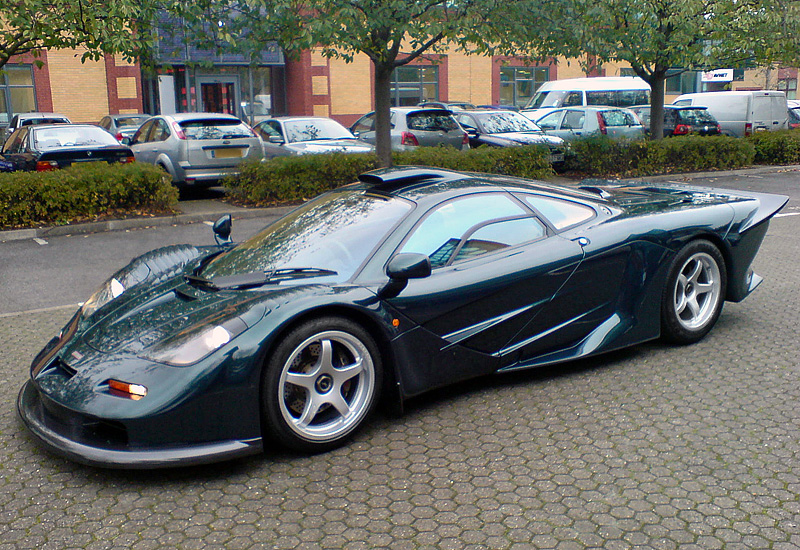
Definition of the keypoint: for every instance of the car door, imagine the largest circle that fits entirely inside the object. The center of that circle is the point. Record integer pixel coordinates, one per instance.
(364, 128)
(267, 132)
(140, 145)
(551, 125)
(495, 266)
(17, 150)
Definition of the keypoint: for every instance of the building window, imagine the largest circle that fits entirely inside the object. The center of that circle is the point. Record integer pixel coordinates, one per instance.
(681, 82)
(17, 94)
(789, 86)
(518, 84)
(414, 84)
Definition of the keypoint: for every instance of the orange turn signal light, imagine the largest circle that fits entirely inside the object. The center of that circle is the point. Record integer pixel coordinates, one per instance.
(125, 389)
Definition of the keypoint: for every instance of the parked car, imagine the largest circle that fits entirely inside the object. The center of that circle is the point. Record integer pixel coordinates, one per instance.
(794, 118)
(612, 91)
(497, 128)
(196, 149)
(449, 105)
(577, 122)
(122, 127)
(681, 120)
(377, 292)
(294, 135)
(741, 113)
(51, 146)
(415, 127)
(28, 119)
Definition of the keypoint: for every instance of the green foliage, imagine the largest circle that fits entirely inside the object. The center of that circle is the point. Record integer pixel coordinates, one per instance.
(98, 26)
(83, 193)
(297, 178)
(603, 157)
(777, 147)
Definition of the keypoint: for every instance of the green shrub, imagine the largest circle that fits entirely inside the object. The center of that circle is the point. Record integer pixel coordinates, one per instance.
(84, 192)
(603, 157)
(781, 147)
(296, 178)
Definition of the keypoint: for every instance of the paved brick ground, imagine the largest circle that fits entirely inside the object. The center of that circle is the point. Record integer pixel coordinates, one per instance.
(655, 447)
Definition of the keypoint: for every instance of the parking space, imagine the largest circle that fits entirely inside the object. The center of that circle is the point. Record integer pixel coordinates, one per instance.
(652, 447)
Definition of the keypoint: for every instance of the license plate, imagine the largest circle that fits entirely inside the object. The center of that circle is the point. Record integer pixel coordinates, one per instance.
(559, 157)
(228, 153)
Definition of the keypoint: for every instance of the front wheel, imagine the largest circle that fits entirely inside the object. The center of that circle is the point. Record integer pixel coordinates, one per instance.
(695, 291)
(320, 384)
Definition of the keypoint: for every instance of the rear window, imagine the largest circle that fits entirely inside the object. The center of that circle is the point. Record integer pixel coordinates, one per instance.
(215, 128)
(695, 116)
(618, 118)
(47, 120)
(130, 121)
(71, 136)
(432, 121)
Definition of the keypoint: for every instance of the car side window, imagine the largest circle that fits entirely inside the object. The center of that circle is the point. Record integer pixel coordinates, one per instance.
(550, 122)
(266, 131)
(560, 213)
(467, 222)
(105, 122)
(573, 99)
(14, 145)
(573, 120)
(275, 126)
(467, 120)
(141, 134)
(160, 131)
(364, 124)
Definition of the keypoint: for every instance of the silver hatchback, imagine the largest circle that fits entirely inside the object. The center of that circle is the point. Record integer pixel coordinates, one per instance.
(196, 149)
(576, 122)
(414, 127)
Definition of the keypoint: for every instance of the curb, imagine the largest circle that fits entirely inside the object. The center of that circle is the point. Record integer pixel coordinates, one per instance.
(138, 223)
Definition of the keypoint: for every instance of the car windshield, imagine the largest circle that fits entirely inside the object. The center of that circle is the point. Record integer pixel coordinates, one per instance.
(695, 116)
(311, 130)
(336, 231)
(71, 136)
(500, 122)
(215, 128)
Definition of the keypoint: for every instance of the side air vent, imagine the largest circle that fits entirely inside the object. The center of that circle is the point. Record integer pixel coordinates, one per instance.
(406, 175)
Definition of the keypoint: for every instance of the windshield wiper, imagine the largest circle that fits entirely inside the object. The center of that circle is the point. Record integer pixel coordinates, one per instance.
(255, 279)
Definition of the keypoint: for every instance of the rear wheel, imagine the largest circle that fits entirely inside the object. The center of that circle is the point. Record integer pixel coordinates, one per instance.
(320, 384)
(695, 291)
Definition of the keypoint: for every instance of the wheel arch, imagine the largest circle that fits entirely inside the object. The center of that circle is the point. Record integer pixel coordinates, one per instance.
(723, 248)
(390, 390)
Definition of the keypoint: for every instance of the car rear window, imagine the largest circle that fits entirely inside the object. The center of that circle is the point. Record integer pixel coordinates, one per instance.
(695, 116)
(215, 128)
(130, 121)
(432, 121)
(71, 136)
(618, 118)
(47, 120)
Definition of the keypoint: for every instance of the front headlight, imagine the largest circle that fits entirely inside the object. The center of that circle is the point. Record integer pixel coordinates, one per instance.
(197, 343)
(111, 289)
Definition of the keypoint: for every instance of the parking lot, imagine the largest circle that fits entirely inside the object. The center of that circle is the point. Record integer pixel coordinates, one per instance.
(654, 447)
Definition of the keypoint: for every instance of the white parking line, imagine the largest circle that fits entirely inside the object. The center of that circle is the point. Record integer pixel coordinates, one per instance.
(787, 214)
(40, 242)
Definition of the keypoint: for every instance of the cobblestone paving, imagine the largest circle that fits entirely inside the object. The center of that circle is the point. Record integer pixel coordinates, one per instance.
(655, 447)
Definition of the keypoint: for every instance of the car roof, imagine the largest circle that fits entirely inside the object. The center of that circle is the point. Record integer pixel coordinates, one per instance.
(295, 118)
(40, 115)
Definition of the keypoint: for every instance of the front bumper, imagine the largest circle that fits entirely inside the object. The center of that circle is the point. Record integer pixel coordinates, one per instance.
(81, 439)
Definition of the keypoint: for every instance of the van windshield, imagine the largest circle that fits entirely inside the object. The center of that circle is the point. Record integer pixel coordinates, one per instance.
(546, 99)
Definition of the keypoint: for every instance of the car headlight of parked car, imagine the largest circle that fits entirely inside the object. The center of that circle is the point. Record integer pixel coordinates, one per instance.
(197, 343)
(111, 289)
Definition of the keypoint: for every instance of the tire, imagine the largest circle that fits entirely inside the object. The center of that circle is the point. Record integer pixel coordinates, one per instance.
(320, 385)
(695, 291)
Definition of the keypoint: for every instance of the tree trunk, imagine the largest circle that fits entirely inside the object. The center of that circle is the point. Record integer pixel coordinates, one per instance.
(658, 85)
(383, 102)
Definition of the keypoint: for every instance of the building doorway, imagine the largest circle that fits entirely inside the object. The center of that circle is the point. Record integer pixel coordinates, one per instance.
(219, 94)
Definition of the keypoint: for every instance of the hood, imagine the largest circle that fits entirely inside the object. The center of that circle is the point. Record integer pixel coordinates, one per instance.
(530, 138)
(149, 315)
(330, 146)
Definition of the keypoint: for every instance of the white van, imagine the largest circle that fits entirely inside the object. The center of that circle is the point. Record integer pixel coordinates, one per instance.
(614, 91)
(741, 113)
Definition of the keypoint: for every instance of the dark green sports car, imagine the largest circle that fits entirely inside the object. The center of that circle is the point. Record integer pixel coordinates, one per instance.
(411, 279)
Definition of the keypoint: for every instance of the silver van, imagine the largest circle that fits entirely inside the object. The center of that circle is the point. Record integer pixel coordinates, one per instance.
(742, 113)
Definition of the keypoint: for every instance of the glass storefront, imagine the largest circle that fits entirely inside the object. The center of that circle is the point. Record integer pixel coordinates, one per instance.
(17, 93)
(518, 84)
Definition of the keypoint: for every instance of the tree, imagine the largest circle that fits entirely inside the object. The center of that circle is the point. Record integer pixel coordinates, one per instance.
(392, 33)
(658, 36)
(100, 26)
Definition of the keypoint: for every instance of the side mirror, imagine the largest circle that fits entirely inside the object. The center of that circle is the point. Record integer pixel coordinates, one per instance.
(222, 230)
(276, 139)
(400, 269)
(126, 141)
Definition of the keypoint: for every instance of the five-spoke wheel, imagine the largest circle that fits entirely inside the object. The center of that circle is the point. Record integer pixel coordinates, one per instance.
(694, 294)
(320, 384)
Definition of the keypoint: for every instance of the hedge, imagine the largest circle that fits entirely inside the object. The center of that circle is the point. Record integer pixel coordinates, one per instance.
(83, 193)
(604, 157)
(782, 147)
(296, 178)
